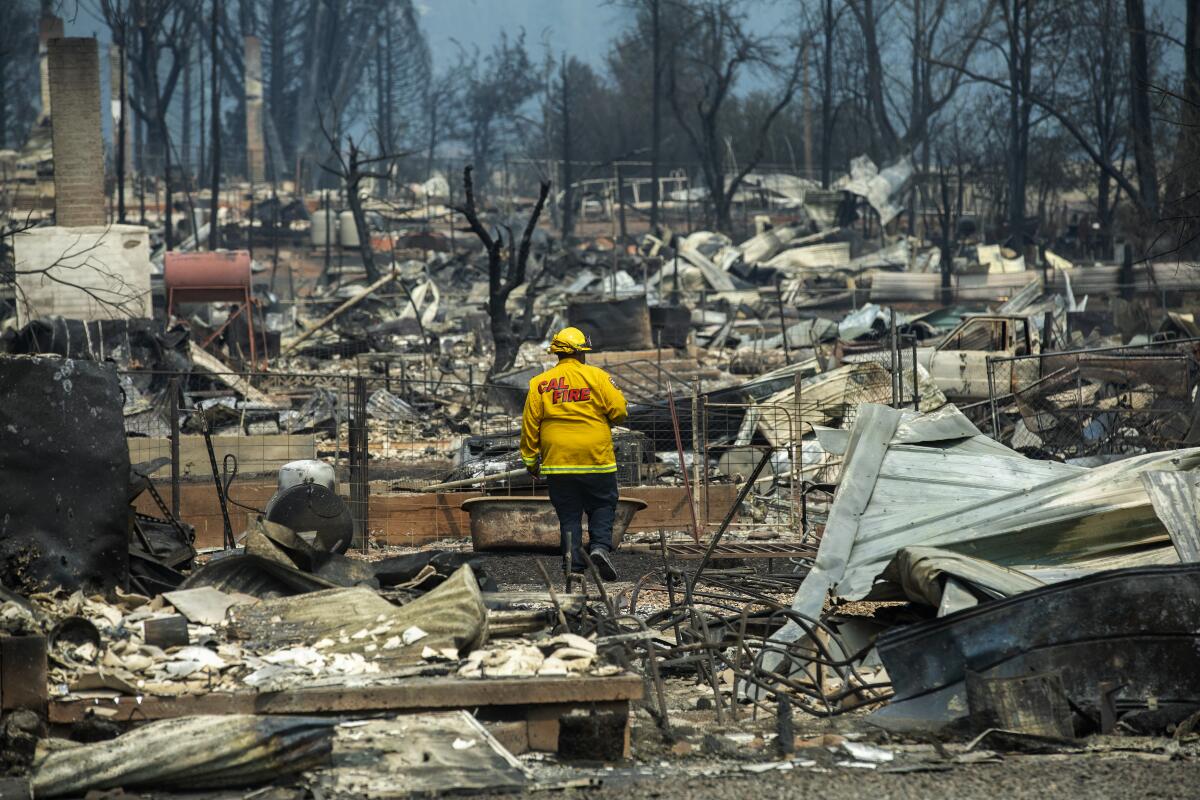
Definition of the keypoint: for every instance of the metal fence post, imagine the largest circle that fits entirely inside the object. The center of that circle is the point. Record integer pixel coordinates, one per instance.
(992, 399)
(893, 350)
(916, 377)
(359, 457)
(696, 455)
(173, 410)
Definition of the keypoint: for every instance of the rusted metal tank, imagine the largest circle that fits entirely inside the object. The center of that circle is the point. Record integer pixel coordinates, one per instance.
(530, 524)
(207, 277)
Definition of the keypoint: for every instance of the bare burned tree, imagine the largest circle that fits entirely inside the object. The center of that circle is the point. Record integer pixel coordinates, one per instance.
(493, 88)
(1030, 84)
(504, 274)
(18, 71)
(954, 168)
(350, 169)
(704, 82)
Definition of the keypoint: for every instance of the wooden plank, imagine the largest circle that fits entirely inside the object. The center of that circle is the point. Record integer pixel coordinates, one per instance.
(256, 455)
(211, 364)
(416, 694)
(337, 312)
(199, 507)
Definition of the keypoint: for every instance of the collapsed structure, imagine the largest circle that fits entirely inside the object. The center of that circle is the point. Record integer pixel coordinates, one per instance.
(265, 520)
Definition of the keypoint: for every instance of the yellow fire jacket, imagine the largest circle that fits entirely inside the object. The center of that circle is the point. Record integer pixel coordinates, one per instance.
(568, 413)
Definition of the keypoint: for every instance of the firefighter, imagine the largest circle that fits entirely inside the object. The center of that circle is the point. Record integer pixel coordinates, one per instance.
(566, 438)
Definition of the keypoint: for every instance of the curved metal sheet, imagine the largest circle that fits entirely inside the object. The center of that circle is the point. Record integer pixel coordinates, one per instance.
(1138, 628)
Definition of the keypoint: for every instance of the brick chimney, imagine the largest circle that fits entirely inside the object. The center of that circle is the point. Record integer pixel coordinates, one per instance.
(74, 66)
(255, 170)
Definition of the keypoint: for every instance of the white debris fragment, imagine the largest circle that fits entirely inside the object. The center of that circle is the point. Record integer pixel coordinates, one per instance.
(861, 751)
(413, 635)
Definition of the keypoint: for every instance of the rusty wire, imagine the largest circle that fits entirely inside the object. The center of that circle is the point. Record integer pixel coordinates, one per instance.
(729, 632)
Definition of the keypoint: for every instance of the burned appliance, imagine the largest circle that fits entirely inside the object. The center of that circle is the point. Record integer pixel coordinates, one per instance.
(307, 502)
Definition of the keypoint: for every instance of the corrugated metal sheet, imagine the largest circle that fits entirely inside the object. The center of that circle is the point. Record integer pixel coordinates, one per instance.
(1175, 496)
(767, 244)
(1133, 628)
(831, 397)
(201, 752)
(834, 254)
(998, 286)
(453, 615)
(886, 285)
(1006, 509)
(1170, 276)
(995, 285)
(423, 755)
(922, 575)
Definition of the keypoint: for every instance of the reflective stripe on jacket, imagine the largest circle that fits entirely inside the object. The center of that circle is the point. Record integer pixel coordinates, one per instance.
(568, 413)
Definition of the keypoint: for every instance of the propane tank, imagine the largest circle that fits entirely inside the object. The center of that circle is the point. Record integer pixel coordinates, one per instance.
(308, 470)
(307, 502)
(324, 227)
(348, 230)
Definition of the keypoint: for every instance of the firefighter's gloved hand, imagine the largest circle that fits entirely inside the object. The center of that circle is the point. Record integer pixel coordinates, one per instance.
(534, 469)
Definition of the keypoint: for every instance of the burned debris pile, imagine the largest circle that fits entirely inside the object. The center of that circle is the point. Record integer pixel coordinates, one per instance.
(871, 519)
(271, 524)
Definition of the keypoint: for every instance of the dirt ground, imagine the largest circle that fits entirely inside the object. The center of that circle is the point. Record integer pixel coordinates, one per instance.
(1114, 776)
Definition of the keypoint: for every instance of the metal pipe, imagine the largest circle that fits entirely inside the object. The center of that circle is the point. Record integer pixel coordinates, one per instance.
(512, 473)
(787, 351)
(687, 488)
(729, 515)
(230, 542)
(173, 410)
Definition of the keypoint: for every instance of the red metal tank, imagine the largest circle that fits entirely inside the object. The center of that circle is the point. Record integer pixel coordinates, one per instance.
(207, 277)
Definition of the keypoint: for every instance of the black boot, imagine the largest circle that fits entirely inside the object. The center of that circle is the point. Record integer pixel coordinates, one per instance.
(604, 565)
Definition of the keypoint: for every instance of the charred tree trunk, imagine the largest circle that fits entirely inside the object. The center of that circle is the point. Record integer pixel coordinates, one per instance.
(202, 153)
(827, 95)
(1020, 69)
(948, 230)
(568, 219)
(655, 111)
(122, 122)
(876, 98)
(353, 176)
(3, 97)
(503, 276)
(364, 235)
(168, 222)
(1104, 215)
(185, 144)
(214, 230)
(1141, 125)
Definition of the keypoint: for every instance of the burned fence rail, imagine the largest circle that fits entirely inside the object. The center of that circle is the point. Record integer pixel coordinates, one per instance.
(1106, 401)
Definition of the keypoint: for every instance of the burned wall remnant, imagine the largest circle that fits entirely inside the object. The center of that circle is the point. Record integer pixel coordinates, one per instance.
(613, 324)
(64, 466)
(87, 273)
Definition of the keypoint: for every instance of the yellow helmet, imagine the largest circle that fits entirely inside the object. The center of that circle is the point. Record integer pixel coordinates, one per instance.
(570, 340)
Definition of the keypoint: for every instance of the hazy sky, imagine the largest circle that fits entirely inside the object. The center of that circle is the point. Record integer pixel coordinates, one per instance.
(583, 28)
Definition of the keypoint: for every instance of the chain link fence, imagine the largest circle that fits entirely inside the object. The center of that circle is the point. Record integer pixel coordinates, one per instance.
(1106, 401)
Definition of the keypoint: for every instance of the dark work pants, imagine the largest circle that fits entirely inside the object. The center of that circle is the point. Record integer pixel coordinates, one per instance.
(572, 495)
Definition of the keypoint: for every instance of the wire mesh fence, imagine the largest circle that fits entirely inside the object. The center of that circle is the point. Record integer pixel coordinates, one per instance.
(403, 423)
(1107, 401)
(191, 432)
